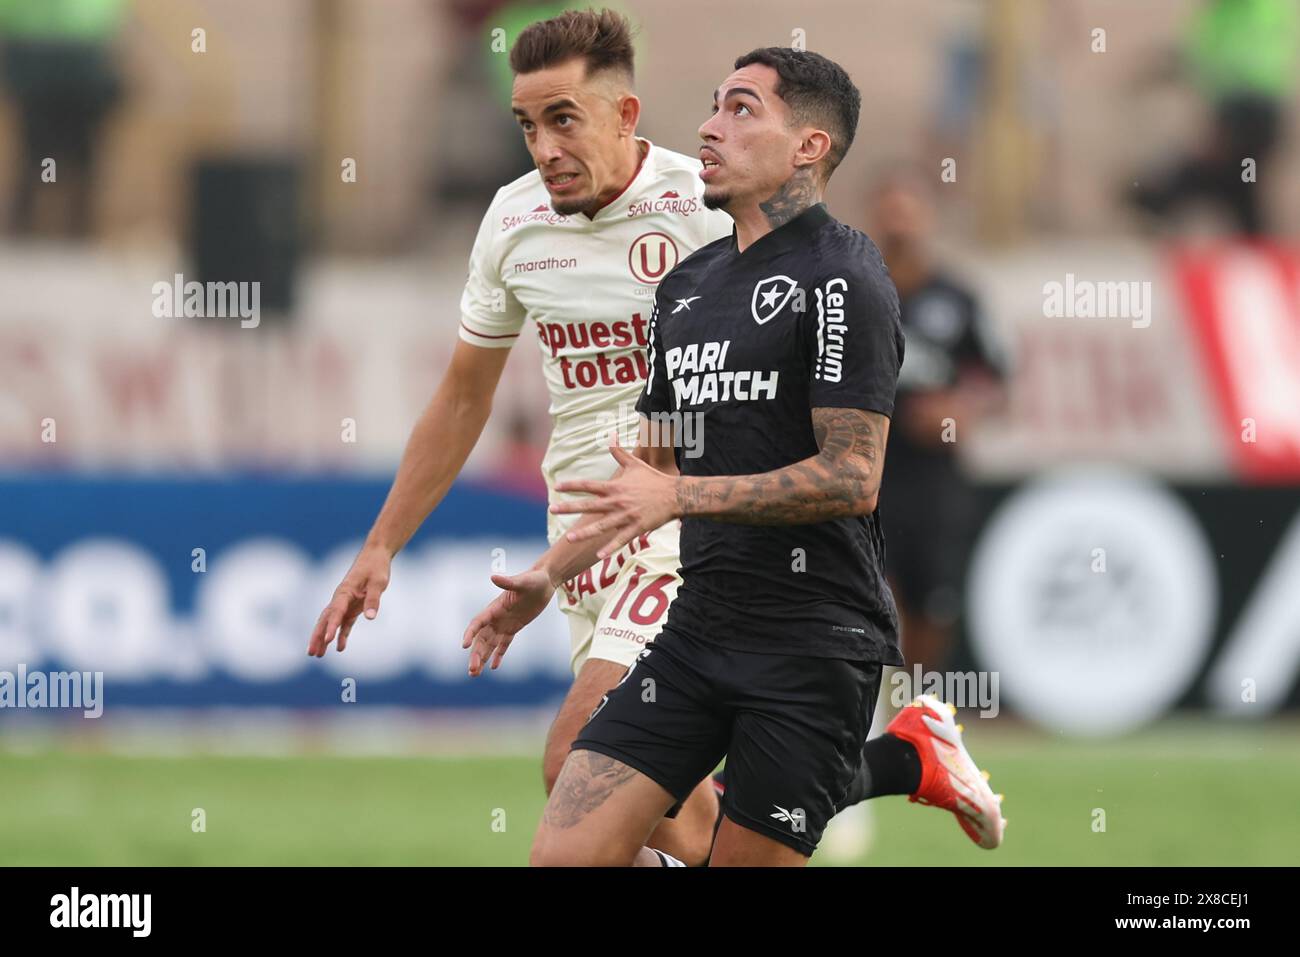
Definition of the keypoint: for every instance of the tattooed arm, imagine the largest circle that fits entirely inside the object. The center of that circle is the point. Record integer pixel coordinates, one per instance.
(842, 479)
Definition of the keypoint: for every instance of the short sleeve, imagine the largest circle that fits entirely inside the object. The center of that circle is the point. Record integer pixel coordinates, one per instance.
(855, 342)
(657, 394)
(490, 315)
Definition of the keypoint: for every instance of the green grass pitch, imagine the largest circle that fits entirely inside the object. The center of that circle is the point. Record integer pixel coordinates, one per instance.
(1184, 793)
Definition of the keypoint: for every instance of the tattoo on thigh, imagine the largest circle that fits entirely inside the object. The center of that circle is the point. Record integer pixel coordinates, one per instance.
(583, 786)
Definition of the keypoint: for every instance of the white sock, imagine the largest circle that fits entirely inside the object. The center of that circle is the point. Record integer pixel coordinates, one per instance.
(667, 859)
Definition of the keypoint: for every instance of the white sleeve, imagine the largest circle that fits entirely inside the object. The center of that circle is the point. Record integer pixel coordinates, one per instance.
(490, 316)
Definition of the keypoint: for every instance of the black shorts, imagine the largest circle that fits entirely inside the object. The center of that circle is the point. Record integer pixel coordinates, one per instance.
(791, 728)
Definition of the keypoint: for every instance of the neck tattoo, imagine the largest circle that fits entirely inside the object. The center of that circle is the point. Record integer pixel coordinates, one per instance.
(795, 195)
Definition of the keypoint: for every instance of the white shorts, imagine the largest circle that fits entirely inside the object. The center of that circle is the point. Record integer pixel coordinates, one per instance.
(619, 604)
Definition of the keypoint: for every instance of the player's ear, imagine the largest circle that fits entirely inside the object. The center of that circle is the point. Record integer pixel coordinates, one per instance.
(629, 113)
(813, 148)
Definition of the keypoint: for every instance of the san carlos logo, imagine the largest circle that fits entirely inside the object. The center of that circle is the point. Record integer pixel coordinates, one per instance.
(670, 202)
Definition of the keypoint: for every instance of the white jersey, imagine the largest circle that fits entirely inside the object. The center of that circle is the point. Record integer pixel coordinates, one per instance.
(588, 285)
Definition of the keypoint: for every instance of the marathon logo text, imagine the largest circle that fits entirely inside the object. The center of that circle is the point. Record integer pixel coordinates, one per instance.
(698, 373)
(551, 262)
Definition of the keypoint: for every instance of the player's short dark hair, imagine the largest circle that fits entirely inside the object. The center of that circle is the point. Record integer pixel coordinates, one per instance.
(602, 39)
(818, 92)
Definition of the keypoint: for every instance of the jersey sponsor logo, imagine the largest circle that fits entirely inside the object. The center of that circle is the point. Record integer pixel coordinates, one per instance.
(831, 330)
(623, 334)
(670, 202)
(684, 304)
(539, 214)
(651, 257)
(698, 373)
(597, 578)
(585, 372)
(537, 265)
(770, 296)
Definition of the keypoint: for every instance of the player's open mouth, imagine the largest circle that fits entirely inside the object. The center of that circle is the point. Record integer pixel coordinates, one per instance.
(561, 181)
(710, 162)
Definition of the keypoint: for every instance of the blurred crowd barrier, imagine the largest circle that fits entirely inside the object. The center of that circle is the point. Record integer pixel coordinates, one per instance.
(1180, 361)
(1141, 527)
(189, 592)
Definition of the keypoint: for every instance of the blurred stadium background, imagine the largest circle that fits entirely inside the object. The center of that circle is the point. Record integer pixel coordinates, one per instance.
(179, 497)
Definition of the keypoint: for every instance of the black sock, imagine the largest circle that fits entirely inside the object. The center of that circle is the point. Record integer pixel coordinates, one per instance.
(890, 765)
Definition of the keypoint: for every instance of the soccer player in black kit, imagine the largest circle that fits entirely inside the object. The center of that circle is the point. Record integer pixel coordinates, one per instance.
(784, 341)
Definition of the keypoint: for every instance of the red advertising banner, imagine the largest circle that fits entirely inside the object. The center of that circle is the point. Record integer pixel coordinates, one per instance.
(1243, 303)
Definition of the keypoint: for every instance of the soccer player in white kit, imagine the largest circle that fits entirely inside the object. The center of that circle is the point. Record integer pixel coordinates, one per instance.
(578, 246)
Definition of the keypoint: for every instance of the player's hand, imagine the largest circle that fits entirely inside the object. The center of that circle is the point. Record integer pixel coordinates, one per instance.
(523, 598)
(359, 591)
(635, 502)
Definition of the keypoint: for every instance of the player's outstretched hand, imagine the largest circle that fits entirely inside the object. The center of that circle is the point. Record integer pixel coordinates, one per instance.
(523, 598)
(359, 591)
(637, 500)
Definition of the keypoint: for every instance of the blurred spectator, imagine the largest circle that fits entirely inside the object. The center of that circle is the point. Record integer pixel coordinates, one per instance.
(962, 69)
(951, 375)
(517, 467)
(1242, 54)
(57, 63)
(998, 105)
(469, 169)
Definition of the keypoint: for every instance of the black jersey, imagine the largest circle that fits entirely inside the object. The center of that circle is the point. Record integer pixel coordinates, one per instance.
(806, 317)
